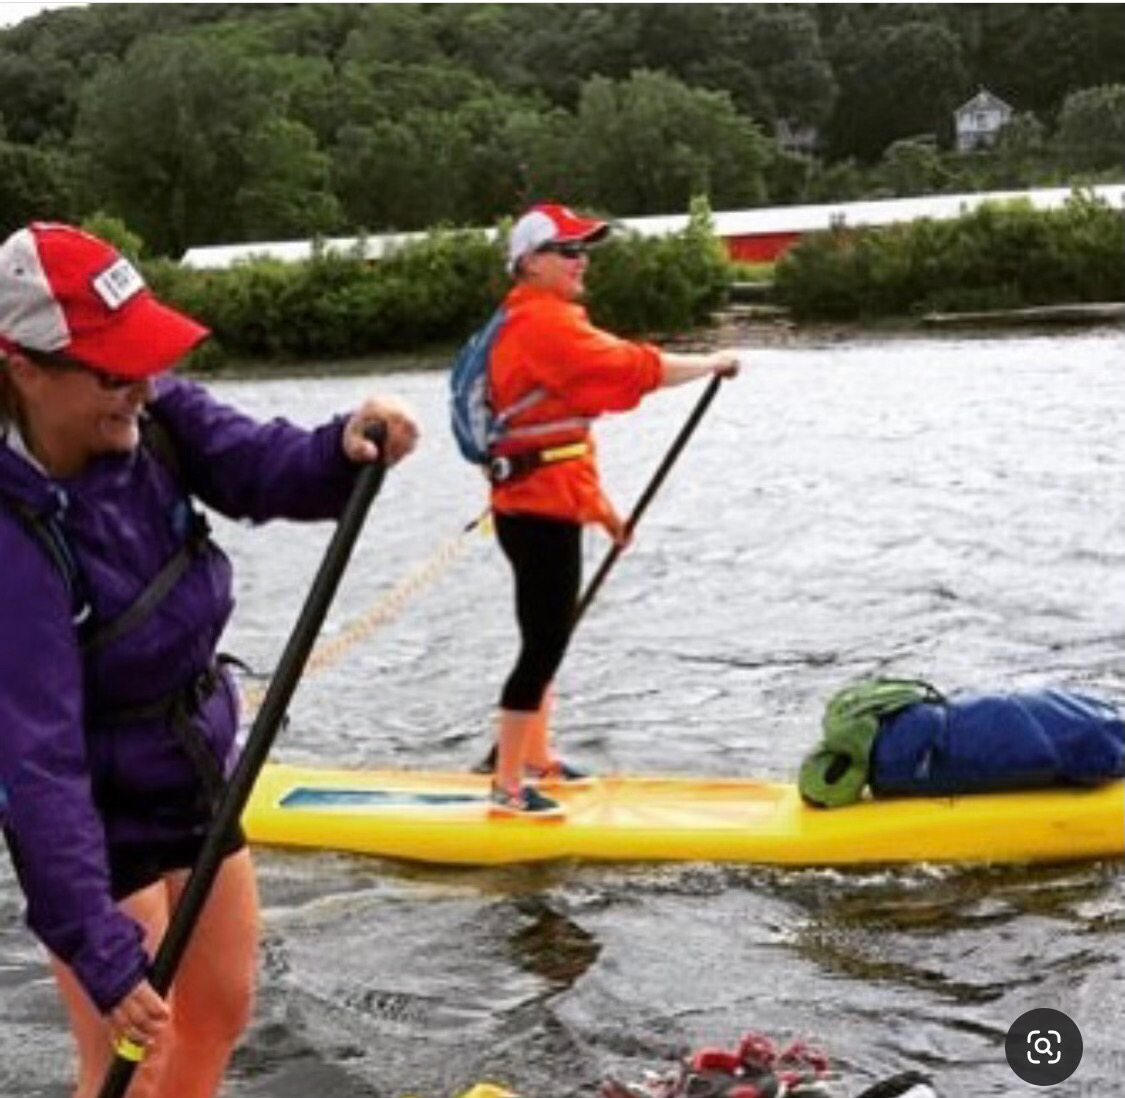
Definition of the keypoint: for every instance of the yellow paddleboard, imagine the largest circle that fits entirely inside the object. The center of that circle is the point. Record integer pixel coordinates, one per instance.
(483, 1090)
(443, 818)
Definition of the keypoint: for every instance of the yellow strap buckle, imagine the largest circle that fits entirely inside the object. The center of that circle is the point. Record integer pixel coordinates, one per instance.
(564, 453)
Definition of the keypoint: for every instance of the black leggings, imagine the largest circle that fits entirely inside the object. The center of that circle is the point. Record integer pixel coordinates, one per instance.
(546, 559)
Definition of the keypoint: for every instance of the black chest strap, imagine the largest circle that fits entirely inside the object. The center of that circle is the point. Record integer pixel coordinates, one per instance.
(155, 592)
(48, 534)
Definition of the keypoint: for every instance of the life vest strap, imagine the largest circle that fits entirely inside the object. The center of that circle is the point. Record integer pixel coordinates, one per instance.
(158, 588)
(504, 468)
(178, 710)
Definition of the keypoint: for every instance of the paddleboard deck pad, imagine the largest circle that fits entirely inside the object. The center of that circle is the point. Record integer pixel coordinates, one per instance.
(443, 818)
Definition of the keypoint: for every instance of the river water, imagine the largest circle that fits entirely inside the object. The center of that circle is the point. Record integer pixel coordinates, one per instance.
(952, 508)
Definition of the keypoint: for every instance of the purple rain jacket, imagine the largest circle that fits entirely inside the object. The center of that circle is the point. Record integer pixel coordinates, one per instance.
(69, 783)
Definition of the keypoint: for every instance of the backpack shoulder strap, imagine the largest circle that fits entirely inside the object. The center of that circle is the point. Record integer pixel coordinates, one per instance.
(47, 532)
(158, 440)
(495, 323)
(879, 697)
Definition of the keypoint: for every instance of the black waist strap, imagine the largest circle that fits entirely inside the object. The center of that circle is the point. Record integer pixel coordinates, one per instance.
(179, 710)
(508, 467)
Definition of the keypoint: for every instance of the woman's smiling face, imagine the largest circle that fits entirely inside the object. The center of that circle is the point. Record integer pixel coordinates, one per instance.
(73, 413)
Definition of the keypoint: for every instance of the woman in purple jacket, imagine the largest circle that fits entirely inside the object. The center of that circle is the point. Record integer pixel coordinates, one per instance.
(117, 722)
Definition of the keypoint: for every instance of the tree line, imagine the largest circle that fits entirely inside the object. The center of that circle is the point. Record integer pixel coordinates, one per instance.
(425, 296)
(997, 257)
(222, 123)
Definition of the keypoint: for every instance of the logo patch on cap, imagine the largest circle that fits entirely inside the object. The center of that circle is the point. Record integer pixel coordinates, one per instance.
(118, 283)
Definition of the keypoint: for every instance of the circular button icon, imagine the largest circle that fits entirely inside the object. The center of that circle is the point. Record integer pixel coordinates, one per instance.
(1043, 1047)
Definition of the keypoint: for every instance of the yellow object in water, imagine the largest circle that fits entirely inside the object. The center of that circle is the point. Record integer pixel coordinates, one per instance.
(443, 818)
(482, 1090)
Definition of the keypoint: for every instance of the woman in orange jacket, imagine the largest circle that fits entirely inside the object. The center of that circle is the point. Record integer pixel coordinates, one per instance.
(551, 373)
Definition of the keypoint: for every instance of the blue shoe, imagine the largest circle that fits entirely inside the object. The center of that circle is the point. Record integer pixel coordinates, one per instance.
(558, 773)
(528, 803)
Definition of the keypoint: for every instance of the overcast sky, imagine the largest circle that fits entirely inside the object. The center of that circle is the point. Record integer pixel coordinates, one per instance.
(17, 13)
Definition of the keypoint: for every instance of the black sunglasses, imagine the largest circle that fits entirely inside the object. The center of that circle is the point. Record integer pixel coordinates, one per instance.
(568, 249)
(111, 383)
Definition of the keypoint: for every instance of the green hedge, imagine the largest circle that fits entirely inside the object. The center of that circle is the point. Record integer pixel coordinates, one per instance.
(430, 293)
(999, 256)
(660, 284)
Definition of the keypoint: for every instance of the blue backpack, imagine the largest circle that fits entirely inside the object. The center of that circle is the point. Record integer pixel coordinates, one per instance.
(470, 413)
(476, 426)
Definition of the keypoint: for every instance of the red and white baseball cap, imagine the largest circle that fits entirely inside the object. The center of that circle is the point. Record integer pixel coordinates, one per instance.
(63, 291)
(548, 223)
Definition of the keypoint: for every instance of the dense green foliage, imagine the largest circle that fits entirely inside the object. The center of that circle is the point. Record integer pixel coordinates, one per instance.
(665, 284)
(430, 292)
(218, 123)
(999, 256)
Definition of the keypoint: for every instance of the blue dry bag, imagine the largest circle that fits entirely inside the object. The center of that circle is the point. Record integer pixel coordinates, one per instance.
(993, 742)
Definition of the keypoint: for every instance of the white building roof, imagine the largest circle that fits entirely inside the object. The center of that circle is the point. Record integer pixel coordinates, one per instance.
(220, 256)
(984, 100)
(728, 223)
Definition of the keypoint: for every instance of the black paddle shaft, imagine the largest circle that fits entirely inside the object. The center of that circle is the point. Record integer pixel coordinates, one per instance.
(488, 763)
(257, 749)
(647, 495)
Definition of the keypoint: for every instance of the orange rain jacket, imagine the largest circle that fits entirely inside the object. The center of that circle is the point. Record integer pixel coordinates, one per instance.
(549, 342)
